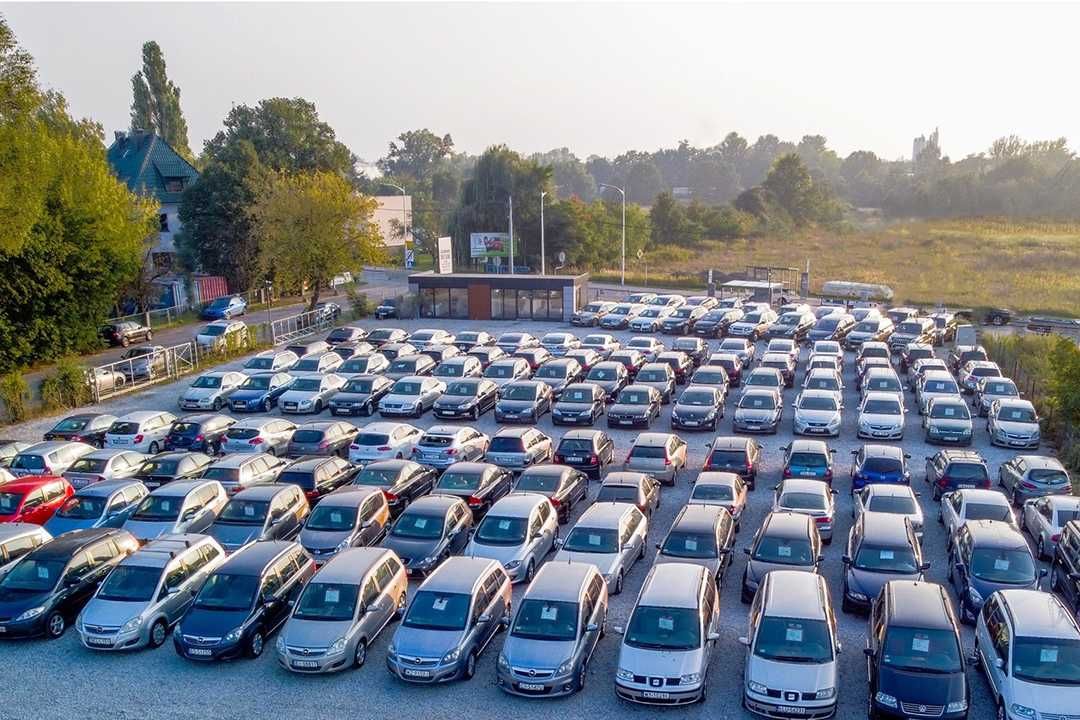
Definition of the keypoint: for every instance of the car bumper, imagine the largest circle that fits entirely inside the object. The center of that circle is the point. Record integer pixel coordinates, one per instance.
(801, 710)
(892, 434)
(1027, 443)
(426, 674)
(572, 419)
(889, 713)
(255, 405)
(525, 685)
(515, 417)
(695, 424)
(113, 641)
(647, 696)
(287, 409)
(347, 410)
(753, 427)
(221, 651)
(613, 421)
(34, 627)
(306, 664)
(452, 413)
(396, 412)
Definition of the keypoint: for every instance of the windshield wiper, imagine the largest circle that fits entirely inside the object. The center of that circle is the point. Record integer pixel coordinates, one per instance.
(792, 658)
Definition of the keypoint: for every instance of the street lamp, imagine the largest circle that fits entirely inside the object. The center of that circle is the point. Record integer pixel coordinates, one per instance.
(543, 194)
(404, 220)
(622, 274)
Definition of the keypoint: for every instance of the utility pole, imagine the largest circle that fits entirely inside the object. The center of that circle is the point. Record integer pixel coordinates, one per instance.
(622, 192)
(511, 203)
(542, 266)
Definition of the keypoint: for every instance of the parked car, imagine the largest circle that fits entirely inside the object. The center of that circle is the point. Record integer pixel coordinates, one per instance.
(715, 322)
(700, 535)
(834, 326)
(386, 309)
(518, 532)
(579, 403)
(1045, 517)
(440, 446)
(222, 335)
(260, 392)
(608, 536)
(808, 459)
(259, 435)
(873, 329)
(33, 499)
(619, 317)
(103, 504)
(507, 370)
(609, 376)
(635, 488)
(817, 412)
(259, 514)
(466, 399)
(523, 401)
(9, 449)
(486, 354)
(947, 420)
(349, 517)
(392, 351)
(1065, 566)
(326, 361)
(1031, 476)
(989, 389)
(698, 407)
(172, 466)
(558, 343)
(795, 325)
(51, 457)
(752, 325)
(411, 396)
(374, 364)
(963, 354)
(737, 455)
(949, 470)
(310, 393)
(479, 484)
(935, 384)
(412, 365)
(89, 428)
(918, 330)
(401, 481)
(383, 441)
(385, 335)
(429, 531)
(271, 361)
(511, 342)
(211, 390)
(557, 374)
(318, 476)
(945, 324)
(959, 506)
(517, 448)
(661, 455)
(102, 465)
(986, 556)
(462, 366)
(591, 314)
(472, 339)
(881, 547)
(199, 433)
(124, 332)
(322, 438)
(360, 395)
(1013, 423)
(912, 352)
(224, 308)
(635, 405)
(184, 506)
(809, 497)
(586, 358)
(587, 450)
(563, 486)
(241, 471)
(142, 363)
(602, 343)
(892, 499)
(971, 372)
(759, 410)
(874, 463)
(881, 416)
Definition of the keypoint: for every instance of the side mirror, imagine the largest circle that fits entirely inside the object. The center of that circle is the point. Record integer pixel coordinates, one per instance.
(999, 663)
(657, 546)
(925, 566)
(958, 567)
(558, 542)
(907, 456)
(869, 652)
(592, 627)
(1043, 572)
(846, 560)
(746, 551)
(832, 451)
(744, 641)
(854, 452)
(484, 618)
(820, 559)
(713, 636)
(619, 629)
(72, 580)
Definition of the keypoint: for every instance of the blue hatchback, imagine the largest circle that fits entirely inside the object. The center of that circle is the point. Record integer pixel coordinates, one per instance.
(105, 504)
(811, 459)
(879, 464)
(224, 308)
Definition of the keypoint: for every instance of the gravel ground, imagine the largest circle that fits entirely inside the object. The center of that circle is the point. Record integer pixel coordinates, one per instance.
(60, 679)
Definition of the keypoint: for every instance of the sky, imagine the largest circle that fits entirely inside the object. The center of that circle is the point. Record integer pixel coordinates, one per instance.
(596, 78)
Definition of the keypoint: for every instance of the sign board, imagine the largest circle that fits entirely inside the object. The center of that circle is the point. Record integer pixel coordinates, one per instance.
(490, 244)
(446, 256)
(410, 259)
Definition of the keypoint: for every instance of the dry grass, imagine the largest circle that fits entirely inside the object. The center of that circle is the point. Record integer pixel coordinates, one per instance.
(1032, 267)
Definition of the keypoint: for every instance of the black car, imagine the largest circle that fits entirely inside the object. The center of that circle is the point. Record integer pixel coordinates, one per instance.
(634, 405)
(715, 323)
(831, 327)
(914, 656)
(382, 336)
(386, 309)
(580, 404)
(199, 433)
(680, 362)
(700, 407)
(486, 354)
(243, 602)
(360, 395)
(737, 455)
(523, 401)
(346, 334)
(913, 352)
(563, 486)
(1065, 568)
(683, 320)
(401, 481)
(632, 360)
(318, 476)
(558, 373)
(167, 467)
(587, 450)
(610, 376)
(260, 513)
(472, 339)
(429, 531)
(998, 316)
(695, 348)
(952, 469)
(89, 428)
(126, 332)
(322, 438)
(46, 589)
(468, 398)
(478, 484)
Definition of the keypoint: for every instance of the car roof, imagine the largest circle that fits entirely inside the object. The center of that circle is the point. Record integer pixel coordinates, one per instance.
(350, 565)
(18, 529)
(318, 425)
(235, 460)
(581, 434)
(157, 553)
(623, 478)
(179, 488)
(47, 446)
(1038, 614)
(1064, 501)
(252, 559)
(730, 442)
(817, 393)
(886, 395)
(804, 485)
(264, 492)
(886, 528)
(980, 495)
(958, 455)
(547, 469)
(459, 574)
(994, 533)
(451, 430)
(71, 542)
(1015, 402)
(938, 374)
(652, 439)
(29, 482)
(676, 584)
(381, 427)
(603, 514)
(139, 416)
(105, 488)
(809, 446)
(879, 450)
(307, 462)
(431, 504)
(560, 581)
(516, 505)
(698, 517)
(787, 524)
(513, 431)
(256, 423)
(918, 604)
(716, 477)
(890, 490)
(795, 594)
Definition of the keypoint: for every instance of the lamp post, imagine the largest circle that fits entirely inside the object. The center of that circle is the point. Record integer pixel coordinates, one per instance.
(622, 192)
(543, 194)
(404, 220)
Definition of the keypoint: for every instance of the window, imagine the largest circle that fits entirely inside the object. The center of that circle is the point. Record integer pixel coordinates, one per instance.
(524, 304)
(385, 575)
(18, 547)
(370, 593)
(178, 575)
(79, 566)
(163, 222)
(498, 312)
(459, 303)
(271, 584)
(427, 303)
(174, 184)
(540, 304)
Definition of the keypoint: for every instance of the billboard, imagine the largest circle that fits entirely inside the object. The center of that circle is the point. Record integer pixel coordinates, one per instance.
(489, 245)
(446, 257)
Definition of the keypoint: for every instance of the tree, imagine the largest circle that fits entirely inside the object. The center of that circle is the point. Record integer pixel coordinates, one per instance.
(670, 224)
(643, 182)
(156, 106)
(312, 226)
(420, 153)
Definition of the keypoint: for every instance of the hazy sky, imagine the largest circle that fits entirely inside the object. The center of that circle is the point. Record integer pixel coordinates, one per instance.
(597, 78)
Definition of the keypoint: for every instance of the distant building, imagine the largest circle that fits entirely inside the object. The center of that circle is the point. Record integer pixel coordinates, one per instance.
(923, 144)
(151, 168)
(389, 217)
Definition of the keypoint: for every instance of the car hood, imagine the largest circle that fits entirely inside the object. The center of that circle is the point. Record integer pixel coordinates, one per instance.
(112, 613)
(623, 409)
(297, 395)
(820, 416)
(949, 424)
(412, 548)
(604, 562)
(756, 569)
(1018, 427)
(425, 642)
(501, 553)
(687, 411)
(921, 687)
(803, 677)
(315, 633)
(145, 530)
(986, 588)
(876, 419)
(396, 398)
(344, 397)
(13, 603)
(516, 405)
(212, 623)
(1047, 699)
(870, 583)
(233, 537)
(529, 653)
(567, 406)
(662, 663)
(193, 393)
(323, 539)
(754, 414)
(57, 525)
(248, 394)
(209, 339)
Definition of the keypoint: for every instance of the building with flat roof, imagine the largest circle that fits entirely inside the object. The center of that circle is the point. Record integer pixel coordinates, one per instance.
(481, 296)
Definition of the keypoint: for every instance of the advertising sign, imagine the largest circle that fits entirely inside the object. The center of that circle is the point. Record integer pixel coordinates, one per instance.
(488, 245)
(446, 256)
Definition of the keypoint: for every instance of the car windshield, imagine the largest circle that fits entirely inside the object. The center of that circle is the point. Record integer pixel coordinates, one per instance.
(967, 471)
(71, 424)
(328, 601)
(920, 650)
(1012, 566)
(796, 640)
(881, 407)
(256, 382)
(538, 482)
(418, 525)
(505, 445)
(593, 307)
(454, 480)
(592, 540)
(377, 477)
(362, 387)
(82, 507)
(354, 366)
(520, 392)
(895, 504)
(462, 389)
(501, 531)
(795, 500)
(259, 363)
(663, 628)
(157, 508)
(546, 620)
(988, 511)
(617, 493)
(407, 365)
(950, 411)
(723, 493)
(909, 328)
(754, 317)
(228, 592)
(899, 560)
(501, 370)
(652, 376)
(822, 383)
(816, 402)
(709, 377)
(159, 467)
(332, 518)
(784, 551)
(433, 610)
(241, 433)
(757, 402)
(130, 583)
(634, 397)
(941, 386)
(697, 397)
(244, 512)
(207, 381)
(1020, 415)
(1050, 476)
(1051, 661)
(429, 440)
(224, 474)
(88, 465)
(578, 395)
(599, 373)
(867, 326)
(698, 545)
(764, 379)
(405, 387)
(808, 459)
(24, 461)
(306, 384)
(213, 330)
(308, 436)
(883, 384)
(827, 323)
(999, 388)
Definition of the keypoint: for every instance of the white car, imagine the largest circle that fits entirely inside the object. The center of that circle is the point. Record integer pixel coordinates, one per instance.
(824, 362)
(824, 379)
(828, 347)
(271, 361)
(411, 396)
(222, 335)
(310, 393)
(892, 498)
(519, 531)
(959, 506)
(1044, 517)
(650, 318)
(142, 431)
(259, 435)
(817, 412)
(558, 343)
(808, 497)
(324, 362)
(881, 416)
(383, 441)
(211, 390)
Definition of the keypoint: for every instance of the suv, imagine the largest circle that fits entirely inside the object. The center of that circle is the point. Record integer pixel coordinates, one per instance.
(914, 657)
(1028, 646)
(950, 469)
(986, 556)
(785, 541)
(1065, 567)
(453, 616)
(670, 638)
(872, 329)
(516, 448)
(124, 332)
(881, 547)
(792, 644)
(918, 330)
(518, 531)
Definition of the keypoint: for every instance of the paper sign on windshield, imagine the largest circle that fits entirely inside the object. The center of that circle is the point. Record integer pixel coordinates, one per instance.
(666, 623)
(420, 523)
(783, 551)
(439, 604)
(1001, 564)
(887, 555)
(504, 524)
(332, 596)
(794, 635)
(920, 644)
(594, 540)
(1048, 655)
(549, 613)
(336, 517)
(249, 511)
(691, 544)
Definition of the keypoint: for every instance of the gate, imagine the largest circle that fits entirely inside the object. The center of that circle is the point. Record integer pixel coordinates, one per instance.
(294, 327)
(144, 366)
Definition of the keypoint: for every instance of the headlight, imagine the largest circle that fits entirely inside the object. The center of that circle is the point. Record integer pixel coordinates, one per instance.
(452, 655)
(131, 625)
(624, 674)
(31, 613)
(565, 667)
(956, 706)
(343, 544)
(391, 651)
(338, 647)
(504, 664)
(885, 699)
(690, 679)
(1022, 710)
(757, 687)
(825, 694)
(512, 564)
(861, 597)
(974, 597)
(234, 634)
(280, 644)
(430, 559)
(304, 403)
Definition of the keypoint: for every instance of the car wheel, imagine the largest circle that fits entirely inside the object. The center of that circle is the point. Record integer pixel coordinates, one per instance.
(618, 583)
(154, 448)
(318, 407)
(267, 406)
(400, 611)
(149, 335)
(361, 654)
(745, 596)
(1001, 711)
(475, 414)
(158, 633)
(1055, 581)
(530, 571)
(217, 404)
(55, 625)
(255, 645)
(470, 666)
(1040, 548)
(124, 342)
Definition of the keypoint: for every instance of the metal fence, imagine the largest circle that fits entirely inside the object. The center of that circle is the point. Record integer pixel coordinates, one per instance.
(139, 371)
(294, 327)
(165, 316)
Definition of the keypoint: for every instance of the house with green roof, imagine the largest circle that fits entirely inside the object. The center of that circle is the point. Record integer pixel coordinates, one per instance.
(150, 167)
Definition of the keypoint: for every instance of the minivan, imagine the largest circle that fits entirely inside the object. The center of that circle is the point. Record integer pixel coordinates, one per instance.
(610, 536)
(51, 457)
(346, 518)
(785, 541)
(881, 547)
(670, 638)
(986, 556)
(518, 531)
(185, 506)
(264, 512)
(103, 504)
(17, 539)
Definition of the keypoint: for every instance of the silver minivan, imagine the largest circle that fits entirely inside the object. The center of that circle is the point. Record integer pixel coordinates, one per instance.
(241, 471)
(553, 635)
(102, 465)
(341, 611)
(182, 506)
(792, 644)
(148, 592)
(17, 539)
(670, 638)
(609, 536)
(52, 457)
(519, 531)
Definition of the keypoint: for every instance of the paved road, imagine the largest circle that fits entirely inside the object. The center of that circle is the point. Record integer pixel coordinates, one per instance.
(60, 679)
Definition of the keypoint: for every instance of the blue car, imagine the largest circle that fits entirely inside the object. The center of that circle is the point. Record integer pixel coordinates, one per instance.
(105, 504)
(879, 464)
(260, 392)
(810, 459)
(224, 308)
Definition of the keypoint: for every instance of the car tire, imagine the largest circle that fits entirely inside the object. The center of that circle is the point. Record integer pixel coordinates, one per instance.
(1001, 711)
(124, 342)
(530, 572)
(55, 625)
(361, 654)
(256, 644)
(618, 583)
(149, 335)
(267, 406)
(402, 602)
(154, 448)
(469, 670)
(318, 407)
(159, 632)
(217, 404)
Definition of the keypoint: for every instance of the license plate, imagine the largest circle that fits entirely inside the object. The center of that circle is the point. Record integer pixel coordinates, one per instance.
(626, 422)
(575, 459)
(2, 629)
(530, 686)
(307, 664)
(791, 710)
(201, 652)
(966, 485)
(409, 672)
(98, 641)
(880, 433)
(151, 484)
(691, 423)
(655, 695)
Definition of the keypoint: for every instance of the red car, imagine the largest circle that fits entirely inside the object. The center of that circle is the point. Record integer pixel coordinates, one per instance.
(33, 499)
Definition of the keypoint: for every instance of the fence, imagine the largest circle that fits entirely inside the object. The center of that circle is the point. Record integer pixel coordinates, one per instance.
(141, 370)
(166, 316)
(294, 327)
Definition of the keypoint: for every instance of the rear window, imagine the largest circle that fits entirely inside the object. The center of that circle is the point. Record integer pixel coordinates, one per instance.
(967, 471)
(648, 451)
(241, 433)
(28, 462)
(571, 446)
(308, 436)
(369, 439)
(124, 428)
(506, 445)
(88, 465)
(617, 494)
(437, 440)
(305, 480)
(803, 459)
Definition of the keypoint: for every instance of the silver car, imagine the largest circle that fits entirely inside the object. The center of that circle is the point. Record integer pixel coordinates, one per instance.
(1030, 476)
(934, 384)
(517, 448)
(411, 396)
(508, 369)
(947, 420)
(518, 531)
(817, 412)
(758, 410)
(1013, 422)
(443, 445)
(144, 596)
(310, 393)
(1045, 517)
(990, 389)
(349, 517)
(258, 435)
(182, 506)
(341, 611)
(51, 457)
(240, 471)
(554, 633)
(271, 361)
(17, 539)
(609, 536)
(211, 390)
(103, 465)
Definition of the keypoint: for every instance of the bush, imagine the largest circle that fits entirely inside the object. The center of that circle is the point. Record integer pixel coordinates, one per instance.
(359, 303)
(13, 395)
(66, 388)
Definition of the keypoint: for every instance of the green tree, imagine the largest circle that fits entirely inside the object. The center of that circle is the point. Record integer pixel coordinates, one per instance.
(670, 225)
(156, 105)
(312, 226)
(416, 155)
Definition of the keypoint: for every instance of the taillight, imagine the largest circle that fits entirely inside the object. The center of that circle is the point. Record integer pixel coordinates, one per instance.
(474, 501)
(137, 439)
(667, 461)
(1055, 538)
(390, 497)
(256, 441)
(76, 438)
(627, 457)
(323, 445)
(594, 460)
(787, 472)
(384, 448)
(451, 452)
(557, 459)
(199, 438)
(354, 446)
(822, 520)
(554, 502)
(828, 474)
(1028, 485)
(943, 481)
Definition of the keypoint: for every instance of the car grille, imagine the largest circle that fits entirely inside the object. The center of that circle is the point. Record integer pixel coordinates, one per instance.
(102, 629)
(790, 695)
(653, 681)
(882, 428)
(923, 710)
(306, 651)
(532, 672)
(201, 640)
(1049, 716)
(1018, 436)
(288, 405)
(418, 661)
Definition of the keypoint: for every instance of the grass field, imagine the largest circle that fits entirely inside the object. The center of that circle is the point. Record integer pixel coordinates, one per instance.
(1031, 267)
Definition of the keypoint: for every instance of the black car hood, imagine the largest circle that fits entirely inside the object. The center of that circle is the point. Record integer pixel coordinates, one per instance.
(516, 405)
(413, 549)
(923, 688)
(15, 603)
(212, 623)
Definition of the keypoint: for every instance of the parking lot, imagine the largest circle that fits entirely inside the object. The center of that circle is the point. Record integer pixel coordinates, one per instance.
(60, 679)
